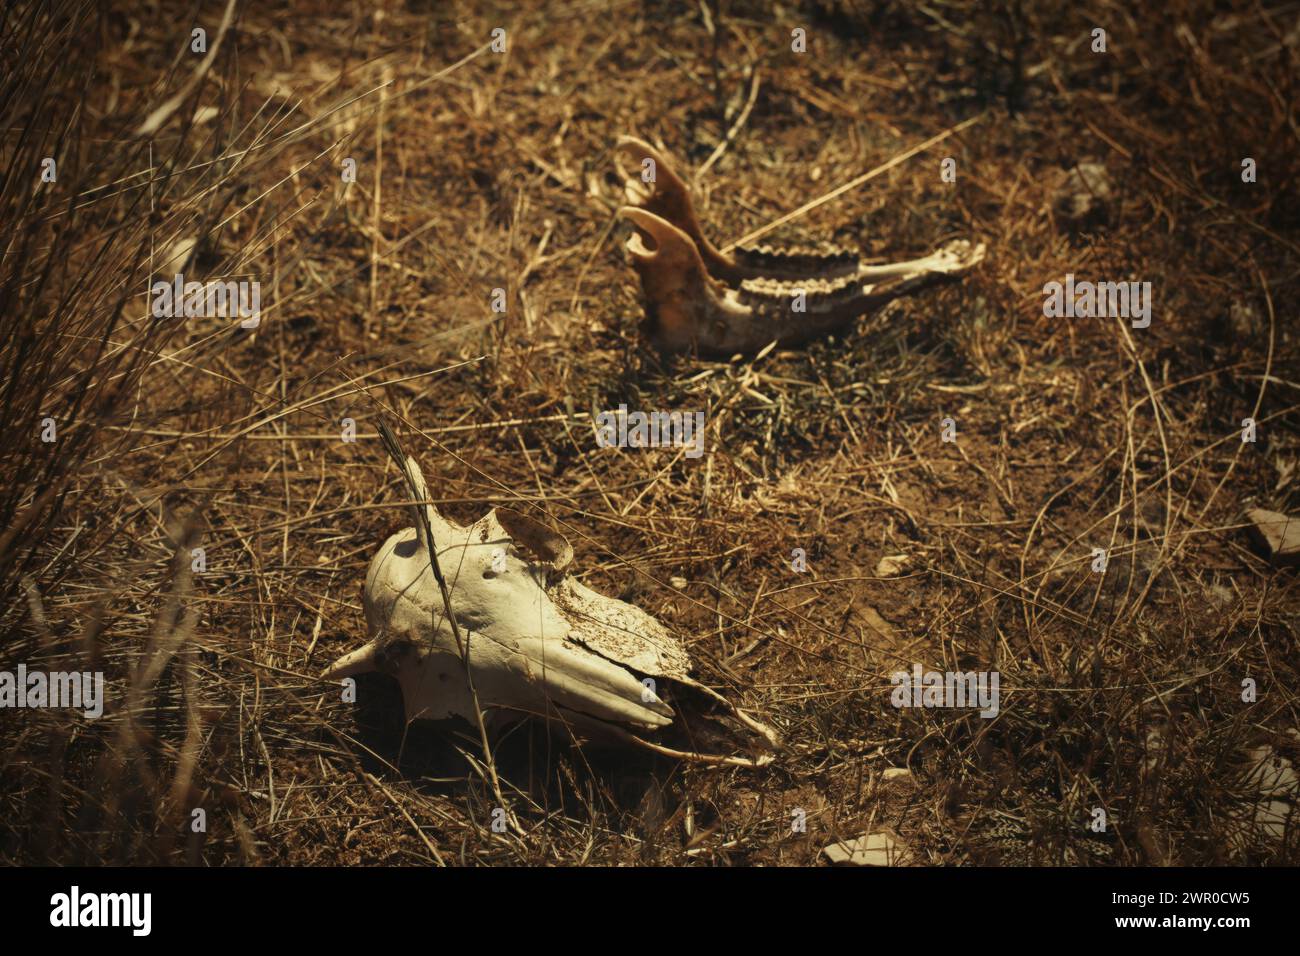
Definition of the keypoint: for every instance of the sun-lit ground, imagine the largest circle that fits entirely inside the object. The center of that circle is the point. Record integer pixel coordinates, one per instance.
(1123, 691)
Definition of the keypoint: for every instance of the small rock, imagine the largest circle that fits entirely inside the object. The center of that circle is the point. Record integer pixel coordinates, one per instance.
(1272, 774)
(892, 565)
(1272, 817)
(872, 849)
(1273, 808)
(1083, 194)
(1279, 533)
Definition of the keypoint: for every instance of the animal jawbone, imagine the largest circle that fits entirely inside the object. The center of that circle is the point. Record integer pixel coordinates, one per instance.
(715, 302)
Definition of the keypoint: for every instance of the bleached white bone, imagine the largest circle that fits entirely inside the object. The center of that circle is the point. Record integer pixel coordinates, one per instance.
(538, 641)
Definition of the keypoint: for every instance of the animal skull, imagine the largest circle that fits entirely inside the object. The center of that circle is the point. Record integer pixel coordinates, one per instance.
(538, 641)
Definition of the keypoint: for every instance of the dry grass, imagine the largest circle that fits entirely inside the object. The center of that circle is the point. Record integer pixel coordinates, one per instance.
(1120, 690)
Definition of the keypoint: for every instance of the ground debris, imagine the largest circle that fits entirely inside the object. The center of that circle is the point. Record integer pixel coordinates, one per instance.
(1082, 195)
(1279, 533)
(871, 849)
(892, 565)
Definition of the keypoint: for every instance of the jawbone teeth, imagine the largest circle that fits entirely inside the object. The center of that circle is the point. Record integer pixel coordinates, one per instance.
(701, 298)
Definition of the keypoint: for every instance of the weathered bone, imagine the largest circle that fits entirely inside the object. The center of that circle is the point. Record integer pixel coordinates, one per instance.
(539, 641)
(690, 309)
(668, 198)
